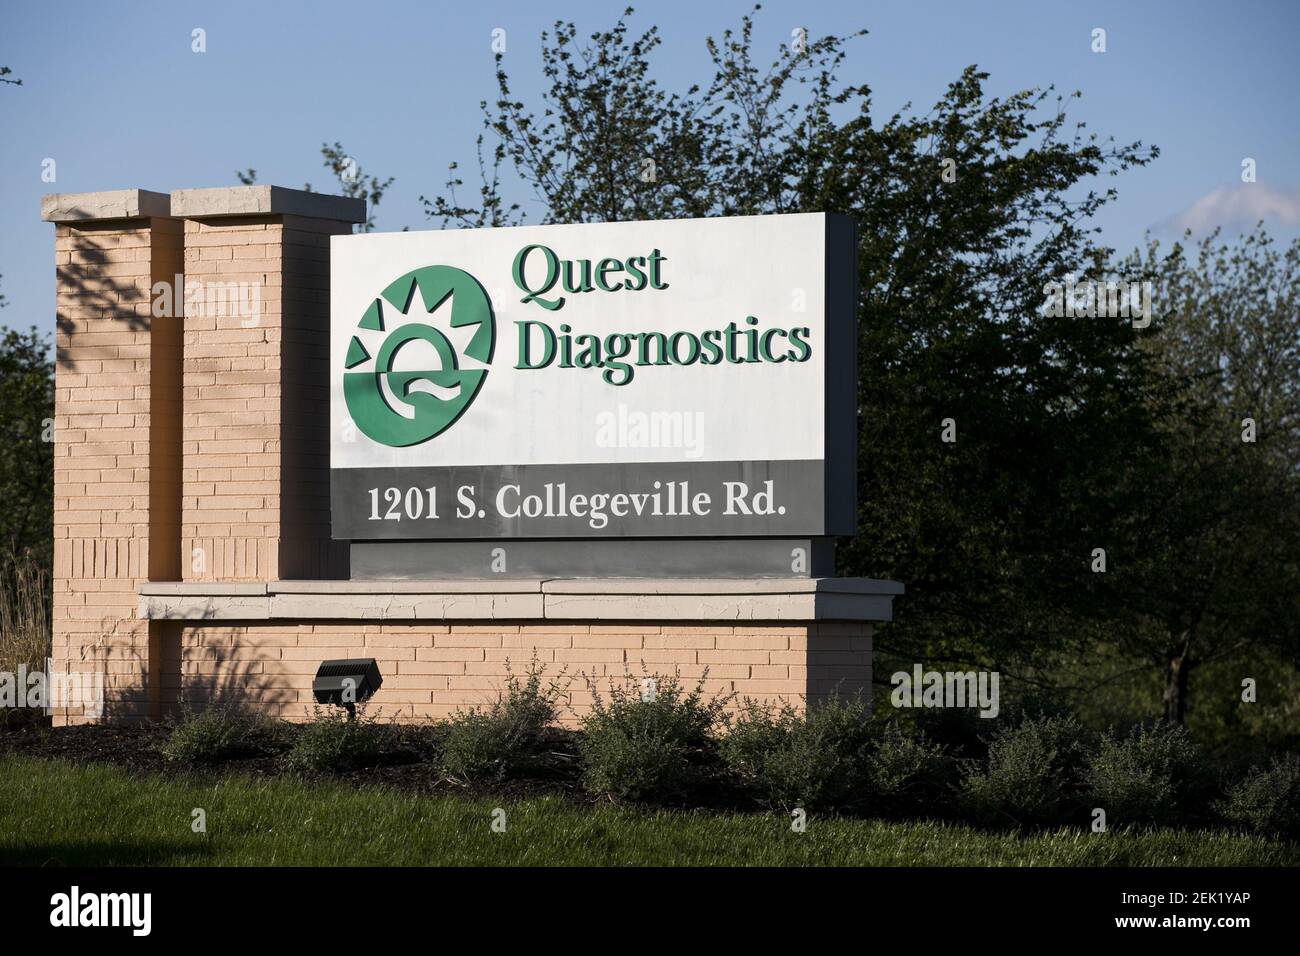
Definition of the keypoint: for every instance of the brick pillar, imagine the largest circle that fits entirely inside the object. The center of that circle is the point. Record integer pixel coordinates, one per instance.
(255, 503)
(116, 440)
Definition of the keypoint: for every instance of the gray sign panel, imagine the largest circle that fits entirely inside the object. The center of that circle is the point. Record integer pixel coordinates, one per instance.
(671, 499)
(594, 558)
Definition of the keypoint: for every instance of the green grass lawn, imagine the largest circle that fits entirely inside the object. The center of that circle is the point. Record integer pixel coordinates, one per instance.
(56, 813)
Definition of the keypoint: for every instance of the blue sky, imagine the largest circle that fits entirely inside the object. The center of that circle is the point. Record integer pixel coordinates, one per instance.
(113, 93)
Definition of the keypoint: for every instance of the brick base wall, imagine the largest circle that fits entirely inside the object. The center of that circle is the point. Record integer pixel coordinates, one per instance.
(430, 671)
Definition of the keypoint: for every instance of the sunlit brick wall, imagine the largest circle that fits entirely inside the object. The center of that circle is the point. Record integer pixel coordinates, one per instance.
(116, 461)
(256, 478)
(430, 671)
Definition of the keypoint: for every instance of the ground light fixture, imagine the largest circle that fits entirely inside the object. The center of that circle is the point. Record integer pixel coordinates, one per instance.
(346, 683)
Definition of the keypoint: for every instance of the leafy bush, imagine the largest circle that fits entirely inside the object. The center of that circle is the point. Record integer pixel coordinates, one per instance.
(960, 731)
(331, 743)
(906, 772)
(832, 756)
(221, 731)
(506, 738)
(813, 760)
(1032, 774)
(1267, 801)
(652, 746)
(1151, 776)
(750, 738)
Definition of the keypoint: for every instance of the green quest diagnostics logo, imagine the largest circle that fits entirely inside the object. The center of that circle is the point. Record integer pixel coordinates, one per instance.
(436, 393)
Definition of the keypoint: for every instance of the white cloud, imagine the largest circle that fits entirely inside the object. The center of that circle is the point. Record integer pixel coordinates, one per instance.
(1238, 207)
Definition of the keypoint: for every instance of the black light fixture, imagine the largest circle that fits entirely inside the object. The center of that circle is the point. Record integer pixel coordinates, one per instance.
(346, 683)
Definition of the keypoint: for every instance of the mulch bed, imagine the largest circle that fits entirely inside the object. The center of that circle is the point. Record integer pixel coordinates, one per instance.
(131, 747)
(137, 749)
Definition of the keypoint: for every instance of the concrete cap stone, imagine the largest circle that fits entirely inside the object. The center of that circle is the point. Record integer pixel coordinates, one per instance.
(725, 601)
(112, 204)
(265, 201)
(740, 586)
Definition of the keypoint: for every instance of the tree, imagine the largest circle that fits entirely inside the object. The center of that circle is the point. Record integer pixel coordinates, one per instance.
(964, 214)
(1074, 436)
(610, 145)
(352, 178)
(27, 456)
(1212, 567)
(26, 446)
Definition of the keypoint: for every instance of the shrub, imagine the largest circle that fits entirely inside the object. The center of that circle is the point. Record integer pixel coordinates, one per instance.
(750, 738)
(814, 760)
(1267, 801)
(906, 771)
(649, 746)
(832, 756)
(221, 731)
(331, 743)
(1032, 774)
(507, 737)
(1151, 776)
(960, 731)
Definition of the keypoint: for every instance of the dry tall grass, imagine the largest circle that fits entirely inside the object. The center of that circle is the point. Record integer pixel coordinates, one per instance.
(24, 623)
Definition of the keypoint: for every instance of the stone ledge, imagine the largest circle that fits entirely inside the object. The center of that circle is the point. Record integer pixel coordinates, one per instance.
(265, 201)
(452, 586)
(661, 586)
(204, 588)
(200, 607)
(726, 601)
(112, 204)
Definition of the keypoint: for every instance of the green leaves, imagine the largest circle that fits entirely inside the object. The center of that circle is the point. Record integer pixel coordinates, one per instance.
(951, 271)
(26, 443)
(1074, 433)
